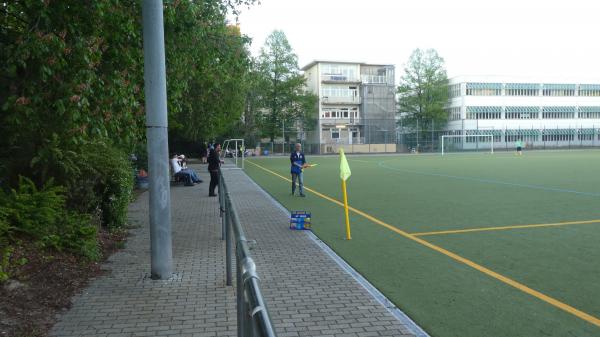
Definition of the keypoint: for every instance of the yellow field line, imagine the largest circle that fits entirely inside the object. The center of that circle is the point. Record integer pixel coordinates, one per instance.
(483, 229)
(552, 301)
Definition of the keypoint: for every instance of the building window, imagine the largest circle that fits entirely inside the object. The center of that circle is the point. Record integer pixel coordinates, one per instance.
(558, 90)
(558, 112)
(497, 136)
(527, 136)
(339, 91)
(589, 112)
(521, 89)
(338, 72)
(586, 134)
(340, 112)
(588, 90)
(484, 112)
(558, 135)
(454, 90)
(335, 133)
(484, 89)
(521, 112)
(454, 113)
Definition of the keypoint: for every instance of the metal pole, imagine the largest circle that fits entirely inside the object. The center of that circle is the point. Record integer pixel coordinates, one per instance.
(241, 307)
(432, 125)
(222, 206)
(157, 134)
(417, 135)
(228, 238)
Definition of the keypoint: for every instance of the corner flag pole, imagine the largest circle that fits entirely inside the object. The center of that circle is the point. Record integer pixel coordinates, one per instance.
(344, 175)
(348, 236)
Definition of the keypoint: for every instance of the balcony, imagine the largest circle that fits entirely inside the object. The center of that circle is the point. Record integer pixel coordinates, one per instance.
(340, 121)
(339, 79)
(376, 79)
(340, 99)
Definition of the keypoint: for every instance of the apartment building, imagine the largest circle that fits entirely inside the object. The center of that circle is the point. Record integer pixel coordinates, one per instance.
(356, 103)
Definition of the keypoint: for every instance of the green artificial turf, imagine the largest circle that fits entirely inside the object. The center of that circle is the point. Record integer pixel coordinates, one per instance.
(433, 193)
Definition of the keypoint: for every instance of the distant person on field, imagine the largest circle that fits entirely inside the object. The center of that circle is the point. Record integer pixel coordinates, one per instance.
(189, 176)
(298, 162)
(519, 146)
(214, 162)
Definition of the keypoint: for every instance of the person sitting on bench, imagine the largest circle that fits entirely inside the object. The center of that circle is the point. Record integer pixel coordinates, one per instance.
(189, 176)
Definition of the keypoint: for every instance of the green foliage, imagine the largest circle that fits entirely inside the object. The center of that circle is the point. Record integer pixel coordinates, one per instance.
(423, 90)
(40, 215)
(280, 88)
(72, 106)
(104, 183)
(65, 81)
(207, 65)
(5, 254)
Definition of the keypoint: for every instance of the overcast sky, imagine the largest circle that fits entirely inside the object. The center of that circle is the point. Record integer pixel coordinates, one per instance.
(475, 37)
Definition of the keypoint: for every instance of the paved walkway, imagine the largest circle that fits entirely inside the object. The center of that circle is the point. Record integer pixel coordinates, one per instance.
(304, 295)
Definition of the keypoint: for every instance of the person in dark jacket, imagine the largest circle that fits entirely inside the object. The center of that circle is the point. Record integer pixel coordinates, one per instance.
(298, 162)
(214, 162)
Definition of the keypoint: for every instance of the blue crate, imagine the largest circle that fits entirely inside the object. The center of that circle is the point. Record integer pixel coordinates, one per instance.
(300, 220)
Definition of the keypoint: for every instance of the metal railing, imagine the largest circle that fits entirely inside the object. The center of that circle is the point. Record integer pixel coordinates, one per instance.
(252, 316)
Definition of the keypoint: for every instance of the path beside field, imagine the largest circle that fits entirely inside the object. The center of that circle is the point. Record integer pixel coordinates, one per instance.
(306, 291)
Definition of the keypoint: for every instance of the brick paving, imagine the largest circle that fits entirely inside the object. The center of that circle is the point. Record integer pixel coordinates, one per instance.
(304, 296)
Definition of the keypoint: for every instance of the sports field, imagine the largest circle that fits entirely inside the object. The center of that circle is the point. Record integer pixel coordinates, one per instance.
(473, 245)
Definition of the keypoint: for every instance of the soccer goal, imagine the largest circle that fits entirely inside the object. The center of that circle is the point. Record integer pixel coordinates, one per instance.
(467, 143)
(234, 151)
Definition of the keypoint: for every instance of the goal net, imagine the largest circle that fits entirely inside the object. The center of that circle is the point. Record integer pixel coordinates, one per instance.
(467, 143)
(234, 152)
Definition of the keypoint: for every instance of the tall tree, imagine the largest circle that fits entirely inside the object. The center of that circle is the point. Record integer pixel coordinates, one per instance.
(284, 99)
(423, 91)
(207, 66)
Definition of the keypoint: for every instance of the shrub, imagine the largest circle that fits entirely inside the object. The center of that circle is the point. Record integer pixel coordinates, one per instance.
(40, 215)
(105, 182)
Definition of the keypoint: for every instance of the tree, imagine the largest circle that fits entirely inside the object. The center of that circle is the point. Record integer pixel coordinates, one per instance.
(423, 90)
(207, 66)
(283, 99)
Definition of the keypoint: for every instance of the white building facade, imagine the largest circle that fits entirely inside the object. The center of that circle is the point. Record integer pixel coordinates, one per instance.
(546, 112)
(355, 103)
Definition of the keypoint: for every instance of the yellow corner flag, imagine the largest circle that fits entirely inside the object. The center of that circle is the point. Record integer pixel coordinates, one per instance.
(344, 175)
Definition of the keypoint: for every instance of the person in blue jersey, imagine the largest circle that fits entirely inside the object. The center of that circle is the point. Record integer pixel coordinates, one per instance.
(298, 162)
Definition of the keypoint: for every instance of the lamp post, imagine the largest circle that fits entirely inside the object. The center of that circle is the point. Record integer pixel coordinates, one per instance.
(157, 134)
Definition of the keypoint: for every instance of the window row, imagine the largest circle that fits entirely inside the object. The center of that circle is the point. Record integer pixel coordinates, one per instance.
(587, 93)
(558, 92)
(339, 91)
(454, 90)
(339, 72)
(454, 114)
(527, 89)
(522, 92)
(526, 112)
(526, 135)
(339, 113)
(334, 133)
(484, 92)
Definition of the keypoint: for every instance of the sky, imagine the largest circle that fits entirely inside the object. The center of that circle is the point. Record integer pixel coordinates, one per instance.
(499, 37)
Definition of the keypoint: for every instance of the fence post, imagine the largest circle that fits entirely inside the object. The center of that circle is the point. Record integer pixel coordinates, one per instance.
(222, 206)
(241, 305)
(228, 223)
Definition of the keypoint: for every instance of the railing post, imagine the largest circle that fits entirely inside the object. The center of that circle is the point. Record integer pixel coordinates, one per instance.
(228, 224)
(241, 305)
(222, 206)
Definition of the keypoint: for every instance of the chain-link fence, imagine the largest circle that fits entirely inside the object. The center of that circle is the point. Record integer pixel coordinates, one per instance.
(388, 136)
(503, 139)
(354, 135)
